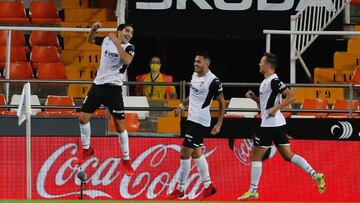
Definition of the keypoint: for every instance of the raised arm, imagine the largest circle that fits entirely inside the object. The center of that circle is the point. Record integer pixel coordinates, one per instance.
(92, 33)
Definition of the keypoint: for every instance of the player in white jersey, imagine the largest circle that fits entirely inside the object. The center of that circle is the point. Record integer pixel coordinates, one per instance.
(116, 54)
(205, 86)
(272, 127)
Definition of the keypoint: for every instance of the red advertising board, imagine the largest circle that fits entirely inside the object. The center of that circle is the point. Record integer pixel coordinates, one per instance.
(156, 164)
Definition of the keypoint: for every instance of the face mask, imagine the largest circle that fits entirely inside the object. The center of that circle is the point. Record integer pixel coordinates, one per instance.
(155, 67)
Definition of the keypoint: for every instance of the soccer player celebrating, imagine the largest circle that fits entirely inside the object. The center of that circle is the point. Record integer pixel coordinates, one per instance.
(116, 54)
(204, 87)
(272, 127)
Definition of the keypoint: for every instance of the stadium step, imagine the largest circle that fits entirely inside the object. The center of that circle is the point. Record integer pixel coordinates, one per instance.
(74, 72)
(89, 15)
(332, 75)
(168, 124)
(66, 4)
(105, 24)
(345, 60)
(82, 58)
(78, 90)
(353, 45)
(79, 43)
(329, 94)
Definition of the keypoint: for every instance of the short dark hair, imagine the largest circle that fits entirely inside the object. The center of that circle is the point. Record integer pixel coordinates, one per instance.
(204, 54)
(271, 59)
(124, 25)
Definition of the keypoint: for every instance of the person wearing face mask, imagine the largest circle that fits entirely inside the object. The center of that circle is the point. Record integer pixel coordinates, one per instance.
(155, 92)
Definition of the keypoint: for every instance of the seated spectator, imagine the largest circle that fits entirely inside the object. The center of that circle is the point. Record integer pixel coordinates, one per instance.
(155, 92)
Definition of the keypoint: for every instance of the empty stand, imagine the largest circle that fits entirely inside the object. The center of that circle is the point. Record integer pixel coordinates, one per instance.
(241, 103)
(44, 13)
(51, 71)
(137, 101)
(53, 100)
(89, 15)
(168, 124)
(17, 54)
(12, 12)
(43, 38)
(21, 70)
(79, 43)
(2, 102)
(345, 60)
(345, 105)
(16, 98)
(356, 76)
(40, 54)
(313, 104)
(132, 123)
(329, 94)
(332, 75)
(17, 38)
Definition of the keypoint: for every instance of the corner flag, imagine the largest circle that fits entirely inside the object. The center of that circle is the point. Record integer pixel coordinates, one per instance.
(24, 105)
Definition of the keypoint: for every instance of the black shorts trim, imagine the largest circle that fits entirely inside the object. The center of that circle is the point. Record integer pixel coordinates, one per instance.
(109, 95)
(266, 136)
(194, 134)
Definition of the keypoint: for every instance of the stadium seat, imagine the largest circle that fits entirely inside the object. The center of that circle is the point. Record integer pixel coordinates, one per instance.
(46, 54)
(132, 123)
(51, 71)
(53, 100)
(241, 103)
(17, 39)
(21, 70)
(356, 76)
(15, 100)
(12, 12)
(41, 38)
(41, 12)
(137, 101)
(2, 102)
(344, 105)
(313, 104)
(17, 54)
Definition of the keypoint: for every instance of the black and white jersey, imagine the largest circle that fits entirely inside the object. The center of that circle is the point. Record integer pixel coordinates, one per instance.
(202, 91)
(270, 95)
(111, 67)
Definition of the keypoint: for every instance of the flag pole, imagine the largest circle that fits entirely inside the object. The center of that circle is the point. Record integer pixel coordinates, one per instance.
(28, 140)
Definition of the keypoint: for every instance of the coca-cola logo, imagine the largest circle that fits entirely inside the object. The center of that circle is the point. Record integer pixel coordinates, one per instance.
(243, 147)
(154, 174)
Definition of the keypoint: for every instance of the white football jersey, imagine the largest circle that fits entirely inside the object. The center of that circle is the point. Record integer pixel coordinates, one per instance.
(111, 67)
(270, 95)
(202, 91)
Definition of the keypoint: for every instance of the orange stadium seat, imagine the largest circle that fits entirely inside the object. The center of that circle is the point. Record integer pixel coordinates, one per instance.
(2, 102)
(12, 12)
(310, 104)
(17, 39)
(51, 71)
(21, 70)
(355, 79)
(17, 54)
(53, 100)
(344, 105)
(44, 13)
(41, 38)
(40, 54)
(132, 123)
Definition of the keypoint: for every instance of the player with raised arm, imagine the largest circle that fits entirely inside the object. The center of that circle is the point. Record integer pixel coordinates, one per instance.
(116, 54)
(273, 127)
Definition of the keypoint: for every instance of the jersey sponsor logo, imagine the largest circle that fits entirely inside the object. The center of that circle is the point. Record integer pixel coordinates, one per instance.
(262, 5)
(110, 54)
(345, 129)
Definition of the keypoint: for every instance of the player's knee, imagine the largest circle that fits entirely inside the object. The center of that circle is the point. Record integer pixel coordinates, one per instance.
(83, 118)
(287, 158)
(184, 155)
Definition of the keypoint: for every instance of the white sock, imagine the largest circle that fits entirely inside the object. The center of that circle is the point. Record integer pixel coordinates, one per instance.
(203, 169)
(124, 143)
(185, 165)
(303, 164)
(256, 169)
(85, 132)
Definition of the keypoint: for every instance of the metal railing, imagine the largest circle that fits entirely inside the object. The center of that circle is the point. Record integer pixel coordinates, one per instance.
(315, 17)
